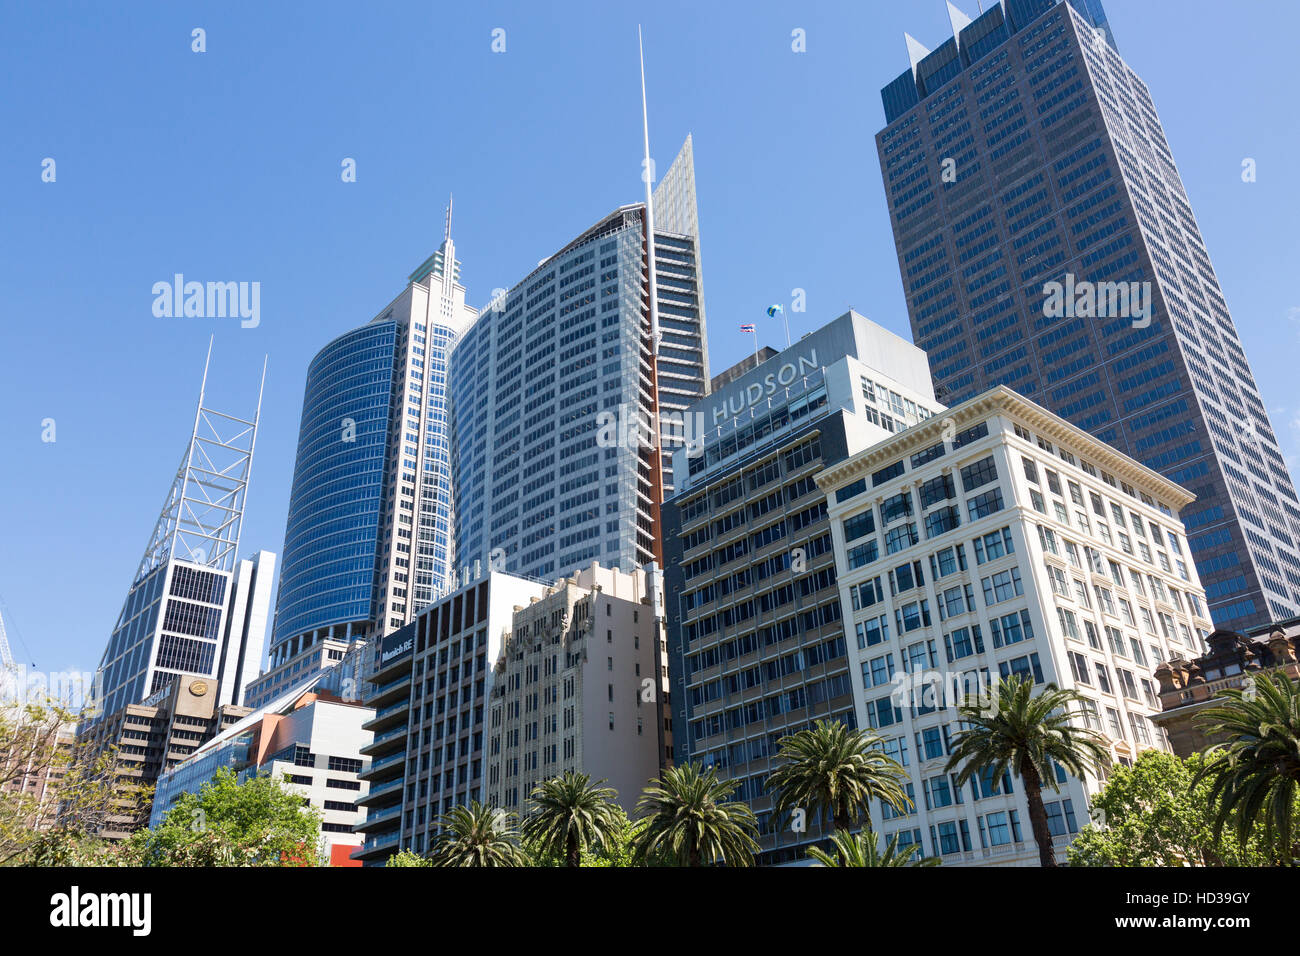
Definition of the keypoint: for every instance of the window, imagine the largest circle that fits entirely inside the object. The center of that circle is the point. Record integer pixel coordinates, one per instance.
(903, 536)
(1069, 623)
(872, 632)
(887, 473)
(948, 561)
(1000, 828)
(1002, 586)
(963, 642)
(859, 525)
(895, 507)
(985, 503)
(1103, 677)
(878, 670)
(994, 545)
(980, 473)
(1141, 729)
(936, 490)
(941, 521)
(1011, 629)
(1022, 667)
(1079, 668)
(863, 554)
(1060, 818)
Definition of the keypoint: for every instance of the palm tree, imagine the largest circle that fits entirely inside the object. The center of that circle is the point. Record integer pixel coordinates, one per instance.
(689, 816)
(1256, 770)
(476, 835)
(860, 850)
(571, 815)
(1026, 734)
(834, 770)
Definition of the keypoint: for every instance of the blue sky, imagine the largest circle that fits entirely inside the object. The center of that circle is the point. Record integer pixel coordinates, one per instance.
(225, 165)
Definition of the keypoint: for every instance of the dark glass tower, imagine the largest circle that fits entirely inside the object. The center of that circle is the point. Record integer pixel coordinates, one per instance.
(1024, 152)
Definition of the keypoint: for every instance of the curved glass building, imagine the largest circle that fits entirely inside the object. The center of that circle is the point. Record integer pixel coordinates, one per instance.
(368, 538)
(332, 536)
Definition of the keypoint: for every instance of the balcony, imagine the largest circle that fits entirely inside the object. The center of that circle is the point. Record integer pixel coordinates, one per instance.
(389, 716)
(386, 742)
(383, 793)
(387, 764)
(380, 819)
(381, 845)
(394, 690)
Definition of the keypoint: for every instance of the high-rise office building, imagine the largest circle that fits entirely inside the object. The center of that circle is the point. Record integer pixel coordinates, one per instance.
(556, 379)
(430, 690)
(368, 537)
(756, 643)
(1000, 540)
(153, 736)
(1046, 242)
(194, 607)
(580, 684)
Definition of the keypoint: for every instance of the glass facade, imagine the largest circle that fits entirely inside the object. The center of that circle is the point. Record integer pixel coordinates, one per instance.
(331, 538)
(550, 393)
(537, 495)
(1046, 242)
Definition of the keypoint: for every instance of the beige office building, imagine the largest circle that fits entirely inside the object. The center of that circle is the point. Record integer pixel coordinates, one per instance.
(581, 684)
(996, 539)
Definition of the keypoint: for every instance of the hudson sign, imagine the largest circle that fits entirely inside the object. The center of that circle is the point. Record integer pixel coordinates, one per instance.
(765, 387)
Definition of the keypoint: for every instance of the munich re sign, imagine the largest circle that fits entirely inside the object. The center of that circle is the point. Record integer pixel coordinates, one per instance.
(390, 654)
(755, 392)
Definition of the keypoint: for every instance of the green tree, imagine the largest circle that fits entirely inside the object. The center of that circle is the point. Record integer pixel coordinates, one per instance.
(860, 849)
(1027, 734)
(689, 817)
(1254, 774)
(477, 835)
(257, 822)
(1152, 814)
(835, 771)
(618, 852)
(571, 815)
(59, 827)
(407, 858)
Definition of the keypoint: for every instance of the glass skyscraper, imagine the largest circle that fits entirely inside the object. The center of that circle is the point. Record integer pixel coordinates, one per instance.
(368, 537)
(1046, 242)
(562, 357)
(194, 607)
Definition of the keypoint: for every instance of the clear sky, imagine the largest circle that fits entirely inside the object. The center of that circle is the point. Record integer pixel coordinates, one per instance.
(225, 166)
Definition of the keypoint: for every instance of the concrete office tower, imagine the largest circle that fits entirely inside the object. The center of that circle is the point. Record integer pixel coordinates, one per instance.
(154, 736)
(555, 381)
(194, 608)
(581, 685)
(311, 739)
(1027, 173)
(998, 540)
(755, 637)
(431, 688)
(368, 537)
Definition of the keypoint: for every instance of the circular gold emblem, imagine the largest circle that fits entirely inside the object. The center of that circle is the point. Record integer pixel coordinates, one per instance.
(198, 688)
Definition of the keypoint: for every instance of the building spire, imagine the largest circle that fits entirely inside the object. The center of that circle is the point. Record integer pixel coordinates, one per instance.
(647, 173)
(446, 235)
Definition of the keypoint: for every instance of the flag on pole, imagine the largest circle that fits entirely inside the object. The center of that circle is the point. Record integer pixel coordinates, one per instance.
(774, 310)
(747, 328)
